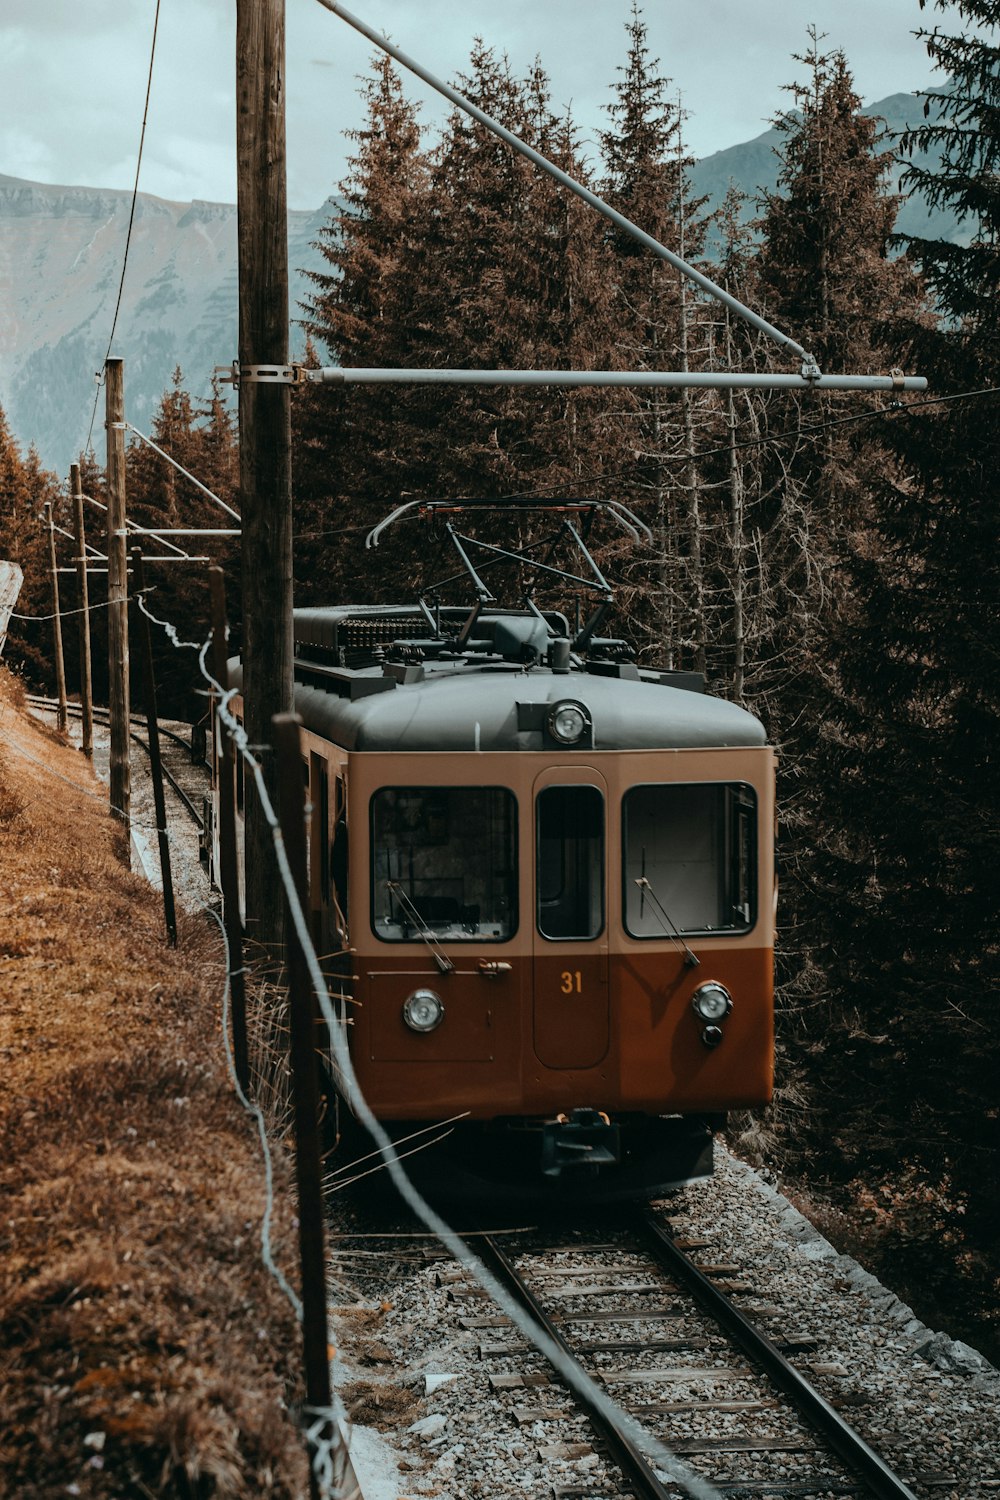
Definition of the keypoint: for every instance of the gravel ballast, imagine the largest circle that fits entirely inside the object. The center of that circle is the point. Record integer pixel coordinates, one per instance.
(427, 1421)
(928, 1404)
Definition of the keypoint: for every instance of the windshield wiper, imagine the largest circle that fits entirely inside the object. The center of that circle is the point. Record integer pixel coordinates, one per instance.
(441, 958)
(669, 925)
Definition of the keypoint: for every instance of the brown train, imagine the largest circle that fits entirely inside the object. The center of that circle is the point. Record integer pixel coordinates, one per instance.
(549, 874)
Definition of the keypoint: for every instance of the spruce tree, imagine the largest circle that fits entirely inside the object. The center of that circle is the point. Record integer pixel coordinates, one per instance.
(480, 261)
(805, 489)
(916, 760)
(357, 450)
(646, 180)
(25, 488)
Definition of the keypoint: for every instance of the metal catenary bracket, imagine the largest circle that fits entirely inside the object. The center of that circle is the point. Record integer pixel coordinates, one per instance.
(273, 374)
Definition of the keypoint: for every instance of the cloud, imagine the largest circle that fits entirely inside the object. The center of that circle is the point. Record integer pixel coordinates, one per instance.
(73, 75)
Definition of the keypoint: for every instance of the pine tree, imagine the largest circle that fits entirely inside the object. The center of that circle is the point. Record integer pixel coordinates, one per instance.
(25, 488)
(357, 451)
(916, 761)
(660, 325)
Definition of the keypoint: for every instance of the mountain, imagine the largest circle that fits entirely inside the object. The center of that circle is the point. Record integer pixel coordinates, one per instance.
(753, 167)
(60, 264)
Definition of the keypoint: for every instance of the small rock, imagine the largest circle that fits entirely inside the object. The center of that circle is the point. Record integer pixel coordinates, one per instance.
(434, 1381)
(429, 1427)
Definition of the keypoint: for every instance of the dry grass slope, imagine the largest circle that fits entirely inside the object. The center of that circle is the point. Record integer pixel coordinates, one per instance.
(145, 1349)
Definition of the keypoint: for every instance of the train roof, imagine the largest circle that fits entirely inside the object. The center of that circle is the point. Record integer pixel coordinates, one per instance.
(362, 684)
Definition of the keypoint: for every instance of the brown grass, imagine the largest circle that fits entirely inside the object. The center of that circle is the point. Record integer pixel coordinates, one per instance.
(145, 1349)
(380, 1405)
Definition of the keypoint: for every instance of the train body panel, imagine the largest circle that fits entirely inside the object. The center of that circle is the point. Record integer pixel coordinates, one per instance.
(571, 1023)
(567, 945)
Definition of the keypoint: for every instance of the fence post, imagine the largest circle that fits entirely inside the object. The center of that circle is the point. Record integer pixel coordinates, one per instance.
(224, 761)
(118, 685)
(86, 683)
(303, 1015)
(153, 734)
(63, 717)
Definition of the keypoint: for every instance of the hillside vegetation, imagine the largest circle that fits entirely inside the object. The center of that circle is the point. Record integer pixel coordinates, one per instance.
(146, 1349)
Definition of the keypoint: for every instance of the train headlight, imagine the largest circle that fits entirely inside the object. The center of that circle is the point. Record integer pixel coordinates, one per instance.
(712, 1001)
(423, 1010)
(567, 722)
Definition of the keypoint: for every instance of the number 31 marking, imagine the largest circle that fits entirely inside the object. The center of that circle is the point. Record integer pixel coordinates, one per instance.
(571, 982)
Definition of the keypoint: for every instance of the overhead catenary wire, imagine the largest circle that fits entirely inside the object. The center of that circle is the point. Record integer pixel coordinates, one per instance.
(792, 434)
(131, 221)
(565, 180)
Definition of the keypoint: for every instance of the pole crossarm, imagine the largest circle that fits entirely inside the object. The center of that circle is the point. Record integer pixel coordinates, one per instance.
(181, 470)
(165, 531)
(91, 551)
(720, 380)
(619, 220)
(132, 526)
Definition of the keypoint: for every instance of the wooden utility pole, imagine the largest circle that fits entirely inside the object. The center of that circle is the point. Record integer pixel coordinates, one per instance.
(86, 683)
(229, 878)
(304, 1032)
(63, 716)
(265, 426)
(148, 680)
(118, 685)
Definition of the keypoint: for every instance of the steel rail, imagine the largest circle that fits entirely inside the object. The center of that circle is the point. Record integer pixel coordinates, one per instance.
(99, 709)
(102, 714)
(840, 1437)
(620, 1448)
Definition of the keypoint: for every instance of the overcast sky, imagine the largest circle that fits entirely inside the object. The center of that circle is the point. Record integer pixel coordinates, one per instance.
(73, 75)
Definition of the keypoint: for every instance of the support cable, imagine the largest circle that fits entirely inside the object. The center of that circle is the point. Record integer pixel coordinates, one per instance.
(810, 367)
(131, 220)
(181, 470)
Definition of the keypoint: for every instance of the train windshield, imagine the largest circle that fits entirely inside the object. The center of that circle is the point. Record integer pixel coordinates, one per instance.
(444, 861)
(689, 858)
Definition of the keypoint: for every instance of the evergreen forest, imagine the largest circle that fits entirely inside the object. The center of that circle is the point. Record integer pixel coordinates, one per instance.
(828, 560)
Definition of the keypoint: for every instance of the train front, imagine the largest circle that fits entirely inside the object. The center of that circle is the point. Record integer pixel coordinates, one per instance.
(561, 901)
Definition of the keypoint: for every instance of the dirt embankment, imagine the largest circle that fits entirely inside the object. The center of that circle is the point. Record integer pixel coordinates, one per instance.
(146, 1351)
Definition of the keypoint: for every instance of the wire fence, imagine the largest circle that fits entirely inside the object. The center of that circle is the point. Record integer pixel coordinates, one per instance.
(326, 1429)
(326, 1433)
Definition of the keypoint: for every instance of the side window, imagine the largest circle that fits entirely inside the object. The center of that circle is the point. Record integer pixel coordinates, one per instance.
(570, 861)
(689, 858)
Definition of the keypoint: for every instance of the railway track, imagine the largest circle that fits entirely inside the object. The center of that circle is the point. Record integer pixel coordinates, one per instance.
(667, 1338)
(175, 754)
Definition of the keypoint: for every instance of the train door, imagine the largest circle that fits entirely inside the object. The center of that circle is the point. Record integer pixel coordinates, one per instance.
(570, 965)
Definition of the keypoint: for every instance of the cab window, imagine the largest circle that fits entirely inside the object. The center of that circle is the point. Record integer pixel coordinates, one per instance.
(570, 861)
(444, 861)
(689, 858)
